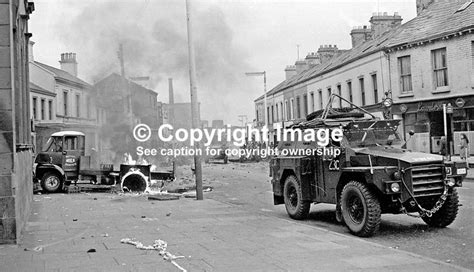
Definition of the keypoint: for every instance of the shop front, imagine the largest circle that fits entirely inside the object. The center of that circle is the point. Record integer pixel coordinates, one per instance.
(426, 119)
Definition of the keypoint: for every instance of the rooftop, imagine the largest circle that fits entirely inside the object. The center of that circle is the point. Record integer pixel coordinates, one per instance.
(437, 21)
(61, 74)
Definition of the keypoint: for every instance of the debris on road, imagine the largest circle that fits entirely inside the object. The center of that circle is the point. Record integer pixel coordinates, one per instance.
(161, 197)
(158, 245)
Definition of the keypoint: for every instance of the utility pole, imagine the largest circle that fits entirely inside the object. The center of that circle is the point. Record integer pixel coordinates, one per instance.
(194, 101)
(265, 114)
(297, 52)
(122, 65)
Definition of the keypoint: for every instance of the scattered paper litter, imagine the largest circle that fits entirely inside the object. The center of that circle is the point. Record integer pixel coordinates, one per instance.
(158, 245)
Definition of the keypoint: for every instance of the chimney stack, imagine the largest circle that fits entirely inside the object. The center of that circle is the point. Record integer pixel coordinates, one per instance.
(422, 5)
(360, 34)
(312, 59)
(290, 71)
(300, 66)
(68, 63)
(327, 52)
(382, 22)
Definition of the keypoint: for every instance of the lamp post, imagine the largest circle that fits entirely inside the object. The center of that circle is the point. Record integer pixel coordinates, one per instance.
(264, 74)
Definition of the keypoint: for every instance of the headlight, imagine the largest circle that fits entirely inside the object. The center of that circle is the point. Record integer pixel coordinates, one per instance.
(448, 171)
(461, 171)
(395, 187)
(450, 182)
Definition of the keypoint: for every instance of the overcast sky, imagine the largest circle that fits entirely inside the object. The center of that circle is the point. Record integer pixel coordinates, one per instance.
(231, 38)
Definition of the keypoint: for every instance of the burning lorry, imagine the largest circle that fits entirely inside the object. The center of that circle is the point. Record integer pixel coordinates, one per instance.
(63, 162)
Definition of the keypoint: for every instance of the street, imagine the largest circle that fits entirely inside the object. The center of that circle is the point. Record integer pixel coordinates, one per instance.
(247, 185)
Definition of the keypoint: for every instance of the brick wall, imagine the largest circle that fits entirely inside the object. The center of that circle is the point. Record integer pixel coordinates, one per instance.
(15, 135)
(460, 70)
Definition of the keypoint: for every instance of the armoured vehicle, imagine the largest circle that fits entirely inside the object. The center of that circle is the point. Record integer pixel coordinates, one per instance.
(373, 174)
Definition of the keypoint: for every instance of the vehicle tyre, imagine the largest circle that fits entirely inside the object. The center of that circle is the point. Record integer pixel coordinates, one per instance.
(51, 182)
(296, 207)
(446, 214)
(360, 209)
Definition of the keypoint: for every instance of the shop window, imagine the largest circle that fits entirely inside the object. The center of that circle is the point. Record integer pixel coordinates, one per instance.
(440, 67)
(404, 67)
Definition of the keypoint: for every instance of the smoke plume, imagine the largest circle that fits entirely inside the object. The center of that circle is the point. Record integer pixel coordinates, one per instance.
(154, 38)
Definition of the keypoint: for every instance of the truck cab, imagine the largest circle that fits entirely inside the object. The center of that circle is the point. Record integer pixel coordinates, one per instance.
(372, 174)
(59, 160)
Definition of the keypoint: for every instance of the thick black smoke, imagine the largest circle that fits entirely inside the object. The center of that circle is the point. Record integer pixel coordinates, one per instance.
(154, 38)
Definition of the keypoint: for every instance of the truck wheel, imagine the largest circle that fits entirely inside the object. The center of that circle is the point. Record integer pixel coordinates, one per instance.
(446, 215)
(51, 182)
(296, 207)
(360, 209)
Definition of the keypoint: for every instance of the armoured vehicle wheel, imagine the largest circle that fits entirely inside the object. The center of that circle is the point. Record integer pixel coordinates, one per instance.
(360, 209)
(446, 214)
(51, 182)
(296, 207)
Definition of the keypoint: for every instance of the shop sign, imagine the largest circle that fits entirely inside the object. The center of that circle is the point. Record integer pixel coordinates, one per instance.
(434, 106)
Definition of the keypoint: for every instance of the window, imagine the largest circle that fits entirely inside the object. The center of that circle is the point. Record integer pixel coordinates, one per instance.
(440, 67)
(35, 110)
(339, 92)
(287, 110)
(292, 108)
(305, 105)
(349, 90)
(88, 107)
(276, 113)
(329, 93)
(362, 90)
(298, 107)
(404, 67)
(43, 105)
(268, 114)
(282, 112)
(272, 115)
(65, 101)
(320, 98)
(78, 105)
(50, 109)
(374, 85)
(312, 101)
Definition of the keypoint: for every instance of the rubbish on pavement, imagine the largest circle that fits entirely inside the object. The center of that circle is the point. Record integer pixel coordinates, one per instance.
(158, 245)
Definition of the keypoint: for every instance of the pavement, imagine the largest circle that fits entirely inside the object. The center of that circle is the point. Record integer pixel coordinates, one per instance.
(82, 232)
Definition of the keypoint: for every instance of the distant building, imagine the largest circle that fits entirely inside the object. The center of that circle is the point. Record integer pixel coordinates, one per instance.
(60, 101)
(16, 145)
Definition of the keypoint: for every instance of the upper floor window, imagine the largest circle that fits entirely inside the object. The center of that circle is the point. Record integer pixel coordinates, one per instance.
(287, 111)
(298, 107)
(65, 103)
(339, 92)
(50, 109)
(305, 105)
(362, 90)
(440, 67)
(320, 92)
(374, 85)
(43, 108)
(78, 105)
(404, 67)
(292, 107)
(35, 109)
(312, 101)
(349, 90)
